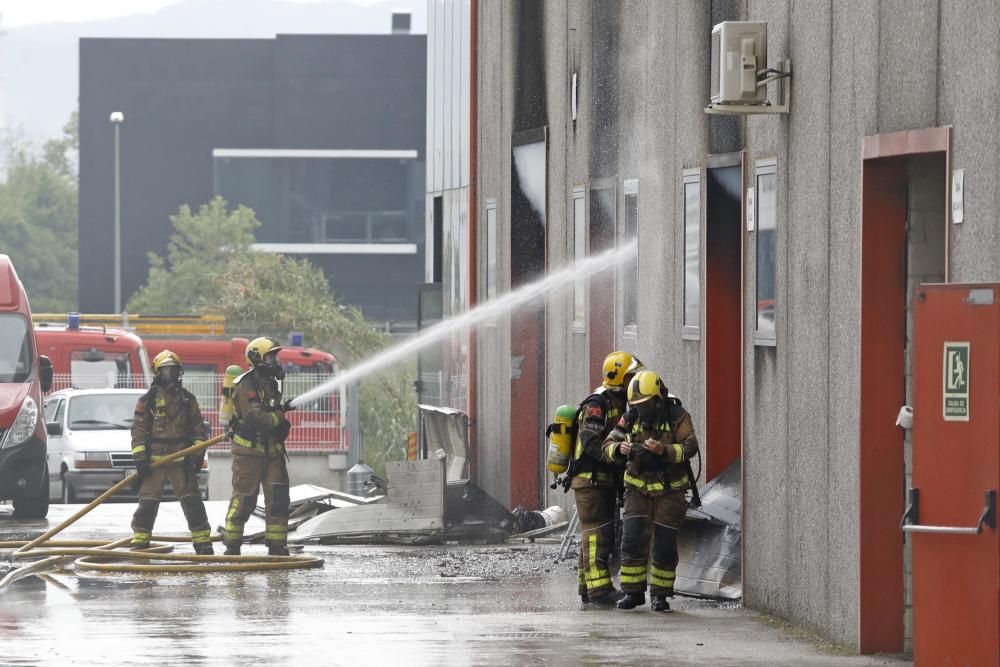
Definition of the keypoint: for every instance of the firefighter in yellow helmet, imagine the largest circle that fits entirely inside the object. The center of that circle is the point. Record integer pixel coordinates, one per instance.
(259, 430)
(655, 438)
(167, 419)
(596, 482)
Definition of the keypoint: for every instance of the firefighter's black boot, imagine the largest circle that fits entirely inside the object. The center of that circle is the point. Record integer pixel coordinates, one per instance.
(607, 598)
(204, 549)
(632, 600)
(584, 598)
(659, 603)
(232, 550)
(277, 550)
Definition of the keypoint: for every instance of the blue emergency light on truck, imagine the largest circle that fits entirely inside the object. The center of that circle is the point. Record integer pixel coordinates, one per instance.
(24, 376)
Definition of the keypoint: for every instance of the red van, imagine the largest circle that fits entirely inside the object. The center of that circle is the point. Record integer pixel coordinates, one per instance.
(24, 376)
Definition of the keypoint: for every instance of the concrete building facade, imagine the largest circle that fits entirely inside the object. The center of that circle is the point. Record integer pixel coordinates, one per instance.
(776, 256)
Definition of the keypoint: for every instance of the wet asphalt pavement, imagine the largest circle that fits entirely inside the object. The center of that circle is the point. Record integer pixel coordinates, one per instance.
(369, 605)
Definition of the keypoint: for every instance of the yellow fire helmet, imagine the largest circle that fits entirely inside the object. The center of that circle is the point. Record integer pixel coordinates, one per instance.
(165, 358)
(633, 368)
(616, 366)
(644, 386)
(258, 348)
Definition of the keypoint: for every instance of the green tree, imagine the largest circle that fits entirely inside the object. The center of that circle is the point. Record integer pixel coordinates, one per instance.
(38, 223)
(211, 268)
(191, 278)
(274, 294)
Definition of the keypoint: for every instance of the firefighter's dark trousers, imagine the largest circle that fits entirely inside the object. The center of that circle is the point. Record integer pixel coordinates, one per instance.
(597, 510)
(250, 473)
(185, 488)
(653, 519)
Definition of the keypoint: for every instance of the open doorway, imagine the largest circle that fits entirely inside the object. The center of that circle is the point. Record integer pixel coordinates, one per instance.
(723, 312)
(904, 242)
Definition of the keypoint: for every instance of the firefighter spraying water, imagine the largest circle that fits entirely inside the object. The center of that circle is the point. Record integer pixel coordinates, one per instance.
(491, 309)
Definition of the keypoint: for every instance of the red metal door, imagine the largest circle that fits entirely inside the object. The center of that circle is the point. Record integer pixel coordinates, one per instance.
(956, 466)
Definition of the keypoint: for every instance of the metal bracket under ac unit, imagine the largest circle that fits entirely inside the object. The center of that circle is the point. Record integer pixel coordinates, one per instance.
(783, 77)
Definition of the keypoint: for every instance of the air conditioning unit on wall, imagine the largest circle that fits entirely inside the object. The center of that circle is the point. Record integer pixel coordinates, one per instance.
(739, 74)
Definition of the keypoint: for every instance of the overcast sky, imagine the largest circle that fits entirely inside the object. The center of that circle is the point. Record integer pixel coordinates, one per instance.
(27, 12)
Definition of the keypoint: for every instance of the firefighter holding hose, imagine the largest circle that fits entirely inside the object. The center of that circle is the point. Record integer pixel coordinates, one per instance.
(167, 419)
(259, 429)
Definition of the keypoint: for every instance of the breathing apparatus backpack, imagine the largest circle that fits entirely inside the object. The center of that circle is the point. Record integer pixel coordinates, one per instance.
(562, 435)
(562, 440)
(226, 402)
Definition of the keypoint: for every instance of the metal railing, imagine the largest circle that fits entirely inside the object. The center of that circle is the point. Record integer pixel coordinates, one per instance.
(318, 426)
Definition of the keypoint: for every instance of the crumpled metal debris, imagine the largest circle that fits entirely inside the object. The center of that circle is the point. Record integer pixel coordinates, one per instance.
(710, 541)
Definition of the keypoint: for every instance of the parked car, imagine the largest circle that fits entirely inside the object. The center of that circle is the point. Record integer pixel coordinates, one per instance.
(90, 443)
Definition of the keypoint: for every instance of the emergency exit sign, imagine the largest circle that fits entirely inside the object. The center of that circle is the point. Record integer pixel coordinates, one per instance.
(956, 382)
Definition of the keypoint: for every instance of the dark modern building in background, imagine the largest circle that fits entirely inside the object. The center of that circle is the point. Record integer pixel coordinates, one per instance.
(322, 135)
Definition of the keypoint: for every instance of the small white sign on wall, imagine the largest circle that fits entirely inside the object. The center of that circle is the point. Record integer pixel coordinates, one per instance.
(958, 197)
(750, 209)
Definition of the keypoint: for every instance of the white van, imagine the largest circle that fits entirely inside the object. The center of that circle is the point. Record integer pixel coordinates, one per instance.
(90, 444)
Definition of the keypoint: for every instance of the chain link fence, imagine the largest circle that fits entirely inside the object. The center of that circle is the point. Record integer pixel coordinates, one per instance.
(319, 425)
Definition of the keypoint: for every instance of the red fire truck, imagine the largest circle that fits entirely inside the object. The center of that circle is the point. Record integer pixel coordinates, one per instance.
(317, 425)
(92, 357)
(98, 351)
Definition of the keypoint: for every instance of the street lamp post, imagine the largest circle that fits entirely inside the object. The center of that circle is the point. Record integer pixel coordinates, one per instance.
(117, 118)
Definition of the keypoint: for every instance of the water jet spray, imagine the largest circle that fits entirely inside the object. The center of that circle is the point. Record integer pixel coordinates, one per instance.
(486, 310)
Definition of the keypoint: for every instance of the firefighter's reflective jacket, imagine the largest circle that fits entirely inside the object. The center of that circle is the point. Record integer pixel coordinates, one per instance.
(647, 472)
(259, 426)
(166, 421)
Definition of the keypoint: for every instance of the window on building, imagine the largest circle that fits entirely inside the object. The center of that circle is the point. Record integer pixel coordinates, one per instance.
(630, 274)
(580, 254)
(305, 196)
(692, 254)
(438, 241)
(766, 222)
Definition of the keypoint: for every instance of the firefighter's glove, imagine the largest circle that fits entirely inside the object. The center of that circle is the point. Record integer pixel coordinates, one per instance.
(143, 469)
(282, 430)
(624, 447)
(286, 405)
(193, 463)
(654, 446)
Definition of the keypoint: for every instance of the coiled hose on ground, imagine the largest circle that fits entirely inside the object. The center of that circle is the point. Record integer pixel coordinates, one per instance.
(104, 556)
